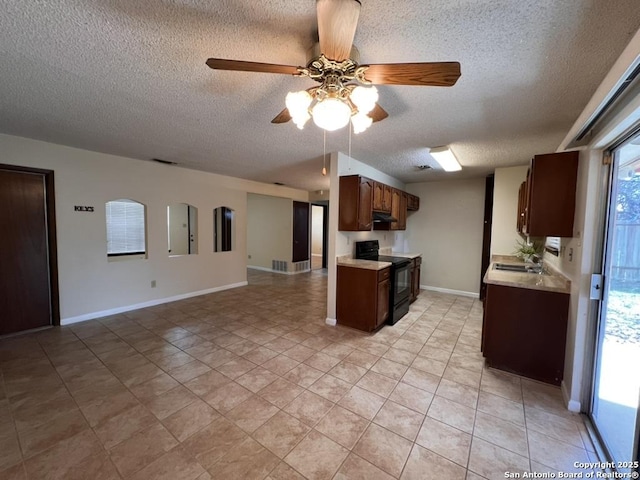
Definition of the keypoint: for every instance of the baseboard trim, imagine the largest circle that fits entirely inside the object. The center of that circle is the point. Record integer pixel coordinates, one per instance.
(331, 321)
(572, 405)
(151, 303)
(270, 270)
(461, 293)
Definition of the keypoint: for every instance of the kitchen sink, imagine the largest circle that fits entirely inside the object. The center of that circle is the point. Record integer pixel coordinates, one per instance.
(517, 267)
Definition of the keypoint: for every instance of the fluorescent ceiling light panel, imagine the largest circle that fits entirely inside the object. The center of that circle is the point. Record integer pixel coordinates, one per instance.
(445, 157)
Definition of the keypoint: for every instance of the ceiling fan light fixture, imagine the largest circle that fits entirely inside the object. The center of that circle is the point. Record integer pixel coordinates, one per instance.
(298, 105)
(364, 98)
(331, 114)
(361, 121)
(301, 119)
(445, 157)
(298, 101)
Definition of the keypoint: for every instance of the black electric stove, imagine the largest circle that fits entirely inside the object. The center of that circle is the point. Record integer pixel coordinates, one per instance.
(400, 290)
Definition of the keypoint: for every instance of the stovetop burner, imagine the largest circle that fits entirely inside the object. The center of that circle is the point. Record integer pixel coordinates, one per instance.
(369, 250)
(396, 261)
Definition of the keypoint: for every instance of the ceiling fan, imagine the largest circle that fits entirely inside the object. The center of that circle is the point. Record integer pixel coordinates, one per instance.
(346, 90)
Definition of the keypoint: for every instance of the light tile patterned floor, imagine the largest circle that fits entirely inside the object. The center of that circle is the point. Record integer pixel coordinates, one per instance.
(251, 384)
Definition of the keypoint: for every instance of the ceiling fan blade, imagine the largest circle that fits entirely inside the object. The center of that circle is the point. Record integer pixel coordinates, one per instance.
(337, 22)
(436, 74)
(282, 117)
(241, 66)
(378, 113)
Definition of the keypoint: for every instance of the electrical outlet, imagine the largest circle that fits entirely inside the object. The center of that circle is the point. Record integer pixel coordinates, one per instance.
(249, 257)
(571, 254)
(153, 284)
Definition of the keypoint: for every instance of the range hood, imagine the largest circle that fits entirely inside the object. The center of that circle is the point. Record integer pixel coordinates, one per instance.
(380, 217)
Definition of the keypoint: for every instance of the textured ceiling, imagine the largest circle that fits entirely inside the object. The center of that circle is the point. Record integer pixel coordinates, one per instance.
(129, 78)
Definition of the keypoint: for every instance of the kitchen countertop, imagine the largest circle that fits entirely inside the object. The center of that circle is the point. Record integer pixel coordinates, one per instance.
(553, 281)
(366, 264)
(404, 255)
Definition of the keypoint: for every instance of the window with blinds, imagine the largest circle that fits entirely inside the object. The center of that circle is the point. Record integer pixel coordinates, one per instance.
(125, 228)
(552, 245)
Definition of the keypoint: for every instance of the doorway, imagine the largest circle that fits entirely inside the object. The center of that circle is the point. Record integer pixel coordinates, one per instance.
(28, 266)
(319, 236)
(616, 387)
(300, 232)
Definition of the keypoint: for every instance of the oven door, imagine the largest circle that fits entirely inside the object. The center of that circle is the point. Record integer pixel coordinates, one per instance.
(402, 284)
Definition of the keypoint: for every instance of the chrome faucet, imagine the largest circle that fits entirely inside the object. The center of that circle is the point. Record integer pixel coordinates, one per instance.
(537, 263)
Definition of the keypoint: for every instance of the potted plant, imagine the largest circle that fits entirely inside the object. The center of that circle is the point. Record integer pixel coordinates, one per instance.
(527, 250)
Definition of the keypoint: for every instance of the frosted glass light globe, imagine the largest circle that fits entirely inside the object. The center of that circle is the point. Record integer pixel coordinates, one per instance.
(298, 102)
(364, 98)
(331, 114)
(361, 122)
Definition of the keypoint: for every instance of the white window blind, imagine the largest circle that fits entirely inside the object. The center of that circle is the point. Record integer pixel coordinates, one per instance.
(125, 227)
(553, 244)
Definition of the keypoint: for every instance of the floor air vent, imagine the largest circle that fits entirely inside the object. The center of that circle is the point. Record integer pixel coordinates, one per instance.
(279, 266)
(302, 266)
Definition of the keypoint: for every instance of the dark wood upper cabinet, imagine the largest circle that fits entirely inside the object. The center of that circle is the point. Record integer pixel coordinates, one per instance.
(361, 196)
(413, 202)
(395, 207)
(522, 205)
(381, 197)
(398, 211)
(401, 224)
(356, 203)
(386, 198)
(547, 199)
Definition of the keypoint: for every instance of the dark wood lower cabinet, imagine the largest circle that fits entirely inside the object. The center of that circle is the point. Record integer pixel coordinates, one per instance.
(524, 331)
(362, 297)
(384, 290)
(415, 278)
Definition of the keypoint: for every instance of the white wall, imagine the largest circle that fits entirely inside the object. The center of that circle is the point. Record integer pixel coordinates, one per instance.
(319, 196)
(269, 230)
(90, 286)
(504, 235)
(578, 270)
(588, 226)
(590, 201)
(345, 241)
(178, 215)
(342, 243)
(447, 231)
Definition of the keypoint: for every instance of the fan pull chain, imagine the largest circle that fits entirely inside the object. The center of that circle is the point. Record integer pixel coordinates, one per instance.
(350, 125)
(324, 154)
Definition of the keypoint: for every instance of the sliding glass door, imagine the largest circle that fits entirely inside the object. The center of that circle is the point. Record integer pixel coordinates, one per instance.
(616, 393)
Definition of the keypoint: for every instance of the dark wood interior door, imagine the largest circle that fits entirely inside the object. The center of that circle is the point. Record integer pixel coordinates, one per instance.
(300, 231)
(325, 235)
(486, 232)
(25, 281)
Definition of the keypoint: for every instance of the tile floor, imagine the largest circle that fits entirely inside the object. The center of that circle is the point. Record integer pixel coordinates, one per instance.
(250, 384)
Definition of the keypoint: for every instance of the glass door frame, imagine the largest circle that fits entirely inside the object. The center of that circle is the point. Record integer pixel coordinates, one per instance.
(602, 256)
